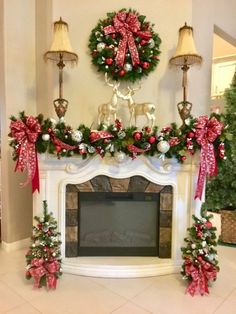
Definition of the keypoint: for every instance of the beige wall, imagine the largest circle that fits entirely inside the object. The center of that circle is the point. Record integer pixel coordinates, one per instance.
(27, 83)
(17, 94)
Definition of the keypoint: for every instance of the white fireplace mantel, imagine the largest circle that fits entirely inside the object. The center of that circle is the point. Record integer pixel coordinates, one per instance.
(56, 174)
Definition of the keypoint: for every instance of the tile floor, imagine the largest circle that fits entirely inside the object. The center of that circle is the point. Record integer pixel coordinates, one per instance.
(87, 295)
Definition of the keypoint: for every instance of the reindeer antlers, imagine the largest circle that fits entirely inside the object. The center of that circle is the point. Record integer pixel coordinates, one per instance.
(107, 80)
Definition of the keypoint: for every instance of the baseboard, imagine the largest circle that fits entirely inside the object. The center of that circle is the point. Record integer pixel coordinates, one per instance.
(13, 246)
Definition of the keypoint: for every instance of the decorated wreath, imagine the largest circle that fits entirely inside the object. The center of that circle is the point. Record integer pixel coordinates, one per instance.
(125, 46)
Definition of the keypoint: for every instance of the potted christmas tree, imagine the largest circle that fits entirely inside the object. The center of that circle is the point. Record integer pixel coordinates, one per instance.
(221, 190)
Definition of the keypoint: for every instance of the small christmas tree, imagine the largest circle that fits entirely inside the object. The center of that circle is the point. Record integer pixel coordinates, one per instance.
(221, 189)
(44, 256)
(200, 265)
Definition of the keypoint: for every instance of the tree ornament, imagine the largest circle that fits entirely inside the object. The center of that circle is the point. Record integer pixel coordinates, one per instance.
(108, 61)
(121, 134)
(120, 157)
(77, 136)
(58, 148)
(145, 65)
(137, 136)
(126, 30)
(152, 139)
(128, 67)
(101, 46)
(46, 137)
(121, 73)
(163, 146)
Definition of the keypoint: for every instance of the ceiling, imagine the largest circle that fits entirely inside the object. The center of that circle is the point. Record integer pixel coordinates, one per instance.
(222, 48)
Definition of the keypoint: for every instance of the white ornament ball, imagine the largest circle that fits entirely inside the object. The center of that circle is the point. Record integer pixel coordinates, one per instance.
(193, 246)
(100, 46)
(53, 121)
(77, 136)
(204, 243)
(128, 67)
(163, 146)
(120, 157)
(151, 43)
(46, 137)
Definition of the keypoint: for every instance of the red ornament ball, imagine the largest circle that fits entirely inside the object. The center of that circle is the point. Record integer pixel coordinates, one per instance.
(152, 139)
(58, 148)
(121, 73)
(106, 141)
(148, 129)
(143, 42)
(49, 130)
(108, 61)
(183, 158)
(208, 224)
(190, 135)
(113, 36)
(145, 65)
(137, 136)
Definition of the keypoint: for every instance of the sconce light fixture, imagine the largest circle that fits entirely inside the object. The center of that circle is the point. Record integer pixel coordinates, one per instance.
(185, 56)
(61, 52)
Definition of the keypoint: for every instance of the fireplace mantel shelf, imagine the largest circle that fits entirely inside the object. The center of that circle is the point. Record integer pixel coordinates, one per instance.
(56, 174)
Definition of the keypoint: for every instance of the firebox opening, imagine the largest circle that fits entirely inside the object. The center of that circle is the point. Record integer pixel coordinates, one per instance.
(118, 223)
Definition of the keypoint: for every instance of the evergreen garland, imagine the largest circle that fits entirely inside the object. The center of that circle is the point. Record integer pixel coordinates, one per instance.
(44, 255)
(182, 141)
(103, 48)
(200, 265)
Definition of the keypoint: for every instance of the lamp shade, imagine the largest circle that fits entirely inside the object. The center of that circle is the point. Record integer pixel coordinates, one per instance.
(61, 45)
(186, 53)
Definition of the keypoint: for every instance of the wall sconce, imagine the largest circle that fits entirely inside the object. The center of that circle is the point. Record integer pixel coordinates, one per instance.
(61, 51)
(185, 55)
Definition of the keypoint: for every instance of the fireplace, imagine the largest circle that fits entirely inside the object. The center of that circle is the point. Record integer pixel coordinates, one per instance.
(164, 191)
(118, 217)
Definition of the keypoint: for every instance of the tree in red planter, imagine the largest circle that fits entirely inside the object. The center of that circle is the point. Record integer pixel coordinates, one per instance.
(44, 255)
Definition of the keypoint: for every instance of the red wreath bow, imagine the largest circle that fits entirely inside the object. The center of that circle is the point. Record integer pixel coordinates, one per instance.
(207, 131)
(126, 24)
(26, 134)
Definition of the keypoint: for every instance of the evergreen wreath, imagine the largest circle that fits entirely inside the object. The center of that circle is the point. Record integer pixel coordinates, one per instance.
(125, 46)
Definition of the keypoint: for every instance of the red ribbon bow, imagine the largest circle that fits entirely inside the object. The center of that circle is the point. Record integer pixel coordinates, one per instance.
(207, 131)
(126, 24)
(200, 276)
(26, 134)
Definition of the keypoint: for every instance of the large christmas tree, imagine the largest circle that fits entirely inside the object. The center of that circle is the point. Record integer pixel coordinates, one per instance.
(221, 190)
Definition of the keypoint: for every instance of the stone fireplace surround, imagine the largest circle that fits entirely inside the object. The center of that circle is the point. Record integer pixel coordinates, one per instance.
(56, 175)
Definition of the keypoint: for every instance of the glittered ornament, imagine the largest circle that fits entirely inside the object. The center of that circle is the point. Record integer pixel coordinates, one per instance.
(163, 146)
(108, 61)
(100, 46)
(190, 135)
(45, 137)
(137, 136)
(121, 73)
(145, 65)
(128, 67)
(152, 139)
(121, 134)
(151, 43)
(120, 157)
(77, 136)
(58, 148)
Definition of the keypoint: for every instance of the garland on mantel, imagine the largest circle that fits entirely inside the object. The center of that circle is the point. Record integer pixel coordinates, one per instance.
(31, 135)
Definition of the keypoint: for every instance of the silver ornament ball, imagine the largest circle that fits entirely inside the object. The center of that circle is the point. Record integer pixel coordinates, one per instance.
(77, 136)
(151, 43)
(120, 157)
(163, 146)
(128, 67)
